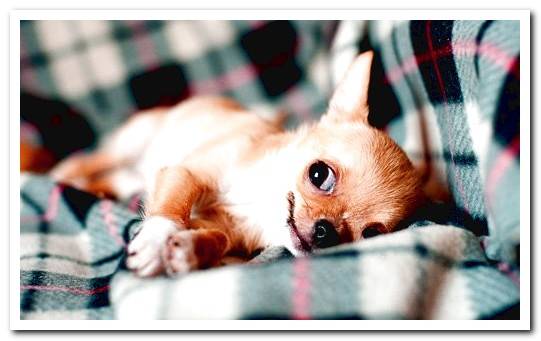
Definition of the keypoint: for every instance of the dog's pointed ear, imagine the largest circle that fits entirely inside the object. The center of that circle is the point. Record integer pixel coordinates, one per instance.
(349, 101)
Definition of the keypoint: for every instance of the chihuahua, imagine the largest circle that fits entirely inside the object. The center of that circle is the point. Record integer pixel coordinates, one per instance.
(221, 181)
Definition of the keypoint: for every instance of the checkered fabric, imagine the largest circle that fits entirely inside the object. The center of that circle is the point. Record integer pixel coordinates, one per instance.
(72, 267)
(459, 80)
(81, 79)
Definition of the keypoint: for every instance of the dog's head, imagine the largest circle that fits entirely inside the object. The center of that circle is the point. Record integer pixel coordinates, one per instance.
(354, 182)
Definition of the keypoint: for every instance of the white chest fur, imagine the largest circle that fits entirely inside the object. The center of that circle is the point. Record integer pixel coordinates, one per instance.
(257, 195)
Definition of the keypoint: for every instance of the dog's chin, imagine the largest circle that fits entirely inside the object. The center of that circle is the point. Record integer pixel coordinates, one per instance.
(294, 251)
(296, 247)
(299, 244)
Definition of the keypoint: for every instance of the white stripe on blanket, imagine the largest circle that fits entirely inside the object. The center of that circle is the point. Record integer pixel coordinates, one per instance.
(67, 267)
(394, 281)
(71, 246)
(199, 295)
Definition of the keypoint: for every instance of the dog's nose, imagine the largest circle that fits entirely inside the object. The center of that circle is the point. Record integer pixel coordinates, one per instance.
(325, 234)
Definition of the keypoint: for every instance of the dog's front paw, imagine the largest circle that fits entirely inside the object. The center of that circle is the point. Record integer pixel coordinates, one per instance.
(178, 255)
(145, 250)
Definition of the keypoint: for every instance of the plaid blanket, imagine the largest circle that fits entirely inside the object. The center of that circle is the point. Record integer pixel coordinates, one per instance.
(72, 267)
(453, 98)
(447, 92)
(101, 72)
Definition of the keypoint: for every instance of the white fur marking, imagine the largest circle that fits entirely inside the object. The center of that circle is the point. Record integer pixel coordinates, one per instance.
(267, 213)
(145, 249)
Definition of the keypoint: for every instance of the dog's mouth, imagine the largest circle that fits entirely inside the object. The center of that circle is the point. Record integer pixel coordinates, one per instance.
(298, 241)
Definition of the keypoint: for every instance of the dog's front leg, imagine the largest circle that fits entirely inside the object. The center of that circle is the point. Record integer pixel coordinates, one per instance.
(165, 236)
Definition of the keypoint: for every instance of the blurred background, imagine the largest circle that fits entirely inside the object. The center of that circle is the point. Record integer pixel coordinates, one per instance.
(80, 79)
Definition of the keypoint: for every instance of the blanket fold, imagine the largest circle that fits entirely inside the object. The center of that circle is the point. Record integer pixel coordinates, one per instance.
(72, 267)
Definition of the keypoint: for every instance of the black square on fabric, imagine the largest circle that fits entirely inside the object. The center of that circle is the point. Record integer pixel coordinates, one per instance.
(57, 123)
(432, 45)
(271, 48)
(382, 100)
(35, 60)
(120, 32)
(278, 80)
(165, 85)
(79, 202)
(507, 121)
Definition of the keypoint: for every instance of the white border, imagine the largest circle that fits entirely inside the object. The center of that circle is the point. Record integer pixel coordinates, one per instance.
(289, 14)
(522, 15)
(525, 144)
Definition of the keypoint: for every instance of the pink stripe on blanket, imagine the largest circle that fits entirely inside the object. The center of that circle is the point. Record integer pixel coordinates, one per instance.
(110, 221)
(135, 203)
(76, 291)
(510, 273)
(499, 57)
(298, 103)
(256, 24)
(441, 86)
(29, 79)
(465, 48)
(52, 208)
(301, 289)
(143, 43)
(231, 80)
(502, 164)
(145, 51)
(28, 73)
(29, 133)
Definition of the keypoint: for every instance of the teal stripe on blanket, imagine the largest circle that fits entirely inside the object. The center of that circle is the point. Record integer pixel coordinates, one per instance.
(265, 291)
(333, 286)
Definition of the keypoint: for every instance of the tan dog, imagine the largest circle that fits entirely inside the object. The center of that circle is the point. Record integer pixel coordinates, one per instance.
(222, 181)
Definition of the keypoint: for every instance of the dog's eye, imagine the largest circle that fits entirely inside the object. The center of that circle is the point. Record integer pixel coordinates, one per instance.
(322, 176)
(325, 234)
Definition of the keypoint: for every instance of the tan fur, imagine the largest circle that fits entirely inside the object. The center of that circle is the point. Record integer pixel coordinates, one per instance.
(376, 185)
(379, 187)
